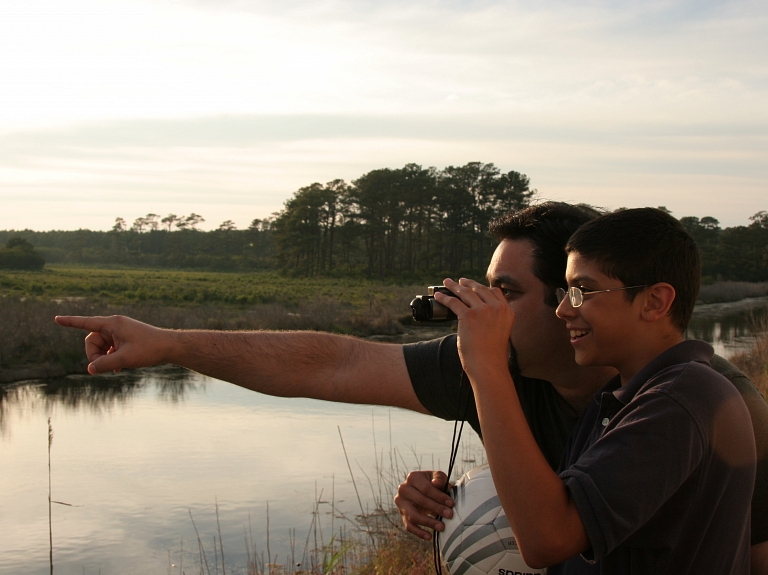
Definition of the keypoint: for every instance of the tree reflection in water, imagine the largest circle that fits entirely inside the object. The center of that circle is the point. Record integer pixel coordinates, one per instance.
(98, 394)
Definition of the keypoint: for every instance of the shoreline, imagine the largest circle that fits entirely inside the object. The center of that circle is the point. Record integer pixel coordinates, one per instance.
(715, 309)
(411, 333)
(45, 371)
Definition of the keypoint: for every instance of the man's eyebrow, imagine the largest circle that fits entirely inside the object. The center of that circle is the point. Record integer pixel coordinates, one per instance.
(505, 280)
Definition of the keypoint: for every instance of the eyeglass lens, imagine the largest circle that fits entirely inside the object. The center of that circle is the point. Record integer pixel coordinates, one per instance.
(575, 296)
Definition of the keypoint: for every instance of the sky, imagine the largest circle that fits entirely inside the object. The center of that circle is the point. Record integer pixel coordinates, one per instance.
(224, 108)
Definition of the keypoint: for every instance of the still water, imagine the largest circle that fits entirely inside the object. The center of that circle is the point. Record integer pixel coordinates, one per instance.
(136, 457)
(729, 326)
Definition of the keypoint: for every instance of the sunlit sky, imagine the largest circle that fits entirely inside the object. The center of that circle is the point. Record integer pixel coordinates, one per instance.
(225, 108)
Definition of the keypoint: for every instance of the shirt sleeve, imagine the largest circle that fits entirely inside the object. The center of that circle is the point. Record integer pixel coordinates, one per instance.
(439, 380)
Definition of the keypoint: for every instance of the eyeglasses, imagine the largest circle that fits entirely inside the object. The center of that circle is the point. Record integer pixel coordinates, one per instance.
(576, 295)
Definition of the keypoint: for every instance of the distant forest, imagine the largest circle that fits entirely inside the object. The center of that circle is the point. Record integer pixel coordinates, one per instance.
(411, 222)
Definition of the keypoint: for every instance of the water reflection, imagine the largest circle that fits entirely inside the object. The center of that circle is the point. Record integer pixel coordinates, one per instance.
(135, 453)
(729, 327)
(97, 394)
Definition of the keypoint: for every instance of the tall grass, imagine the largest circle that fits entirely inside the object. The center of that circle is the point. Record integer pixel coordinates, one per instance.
(754, 362)
(372, 542)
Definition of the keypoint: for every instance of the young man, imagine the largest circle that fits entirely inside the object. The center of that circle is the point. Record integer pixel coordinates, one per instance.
(529, 264)
(658, 473)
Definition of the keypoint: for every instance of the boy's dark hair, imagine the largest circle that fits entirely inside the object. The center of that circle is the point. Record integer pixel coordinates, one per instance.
(644, 246)
(548, 226)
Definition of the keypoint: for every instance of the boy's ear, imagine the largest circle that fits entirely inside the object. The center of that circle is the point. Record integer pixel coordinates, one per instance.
(658, 300)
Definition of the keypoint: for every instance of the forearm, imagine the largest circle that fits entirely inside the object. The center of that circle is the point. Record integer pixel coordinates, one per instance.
(298, 364)
(545, 521)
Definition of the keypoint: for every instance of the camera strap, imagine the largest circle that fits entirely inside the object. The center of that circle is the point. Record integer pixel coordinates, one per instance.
(458, 425)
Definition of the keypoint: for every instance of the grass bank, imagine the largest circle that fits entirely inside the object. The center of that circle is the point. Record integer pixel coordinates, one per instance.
(190, 288)
(34, 346)
(755, 361)
(29, 336)
(726, 291)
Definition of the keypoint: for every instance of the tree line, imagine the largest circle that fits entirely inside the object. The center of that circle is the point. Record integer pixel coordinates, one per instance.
(410, 222)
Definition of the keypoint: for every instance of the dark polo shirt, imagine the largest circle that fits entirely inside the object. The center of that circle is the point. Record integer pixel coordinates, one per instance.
(662, 471)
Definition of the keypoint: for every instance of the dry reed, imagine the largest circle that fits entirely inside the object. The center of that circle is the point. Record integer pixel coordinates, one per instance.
(754, 362)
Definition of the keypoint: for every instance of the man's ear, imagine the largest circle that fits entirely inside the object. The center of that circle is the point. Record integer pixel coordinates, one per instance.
(658, 300)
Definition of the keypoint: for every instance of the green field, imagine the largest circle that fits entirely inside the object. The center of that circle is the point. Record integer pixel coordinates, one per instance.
(184, 288)
(185, 300)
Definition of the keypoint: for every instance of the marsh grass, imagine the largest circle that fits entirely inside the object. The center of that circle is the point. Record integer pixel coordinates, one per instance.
(182, 300)
(29, 336)
(368, 543)
(189, 288)
(754, 362)
(371, 542)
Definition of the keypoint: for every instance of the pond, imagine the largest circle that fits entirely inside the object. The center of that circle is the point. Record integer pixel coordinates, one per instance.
(137, 457)
(728, 326)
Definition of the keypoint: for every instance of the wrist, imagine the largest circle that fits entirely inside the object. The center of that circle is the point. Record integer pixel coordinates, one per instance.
(170, 346)
(488, 375)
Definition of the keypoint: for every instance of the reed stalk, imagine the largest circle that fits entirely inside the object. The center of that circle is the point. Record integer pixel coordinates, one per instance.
(50, 514)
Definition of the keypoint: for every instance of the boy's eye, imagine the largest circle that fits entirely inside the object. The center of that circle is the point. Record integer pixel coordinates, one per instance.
(507, 292)
(585, 289)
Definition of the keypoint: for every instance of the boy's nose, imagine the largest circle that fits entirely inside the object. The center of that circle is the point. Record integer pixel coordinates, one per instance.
(564, 309)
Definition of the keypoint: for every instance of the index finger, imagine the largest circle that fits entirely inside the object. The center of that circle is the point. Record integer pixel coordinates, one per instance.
(481, 289)
(93, 323)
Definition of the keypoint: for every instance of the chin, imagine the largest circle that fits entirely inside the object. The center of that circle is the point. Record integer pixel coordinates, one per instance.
(583, 360)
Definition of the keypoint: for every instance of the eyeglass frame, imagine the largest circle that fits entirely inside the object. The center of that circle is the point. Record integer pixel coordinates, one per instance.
(560, 293)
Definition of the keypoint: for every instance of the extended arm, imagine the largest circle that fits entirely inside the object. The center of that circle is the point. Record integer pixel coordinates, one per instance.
(287, 364)
(546, 523)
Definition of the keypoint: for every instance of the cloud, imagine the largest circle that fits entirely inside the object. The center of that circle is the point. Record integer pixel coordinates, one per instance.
(244, 167)
(241, 102)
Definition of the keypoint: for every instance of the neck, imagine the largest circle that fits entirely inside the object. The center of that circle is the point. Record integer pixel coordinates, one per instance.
(644, 354)
(577, 385)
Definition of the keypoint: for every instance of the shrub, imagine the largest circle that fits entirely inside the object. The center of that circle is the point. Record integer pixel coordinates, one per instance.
(19, 254)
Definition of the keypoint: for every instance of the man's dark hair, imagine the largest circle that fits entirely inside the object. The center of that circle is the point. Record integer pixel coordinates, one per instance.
(644, 246)
(548, 226)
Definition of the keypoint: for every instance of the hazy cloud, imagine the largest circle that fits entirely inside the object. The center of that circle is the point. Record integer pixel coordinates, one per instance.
(238, 103)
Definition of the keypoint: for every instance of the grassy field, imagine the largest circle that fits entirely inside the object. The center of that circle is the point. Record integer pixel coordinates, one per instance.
(120, 286)
(185, 288)
(185, 300)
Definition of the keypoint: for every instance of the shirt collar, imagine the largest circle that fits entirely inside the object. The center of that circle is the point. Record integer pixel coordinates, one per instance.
(683, 352)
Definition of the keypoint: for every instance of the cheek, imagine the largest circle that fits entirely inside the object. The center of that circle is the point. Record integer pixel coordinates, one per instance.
(539, 331)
